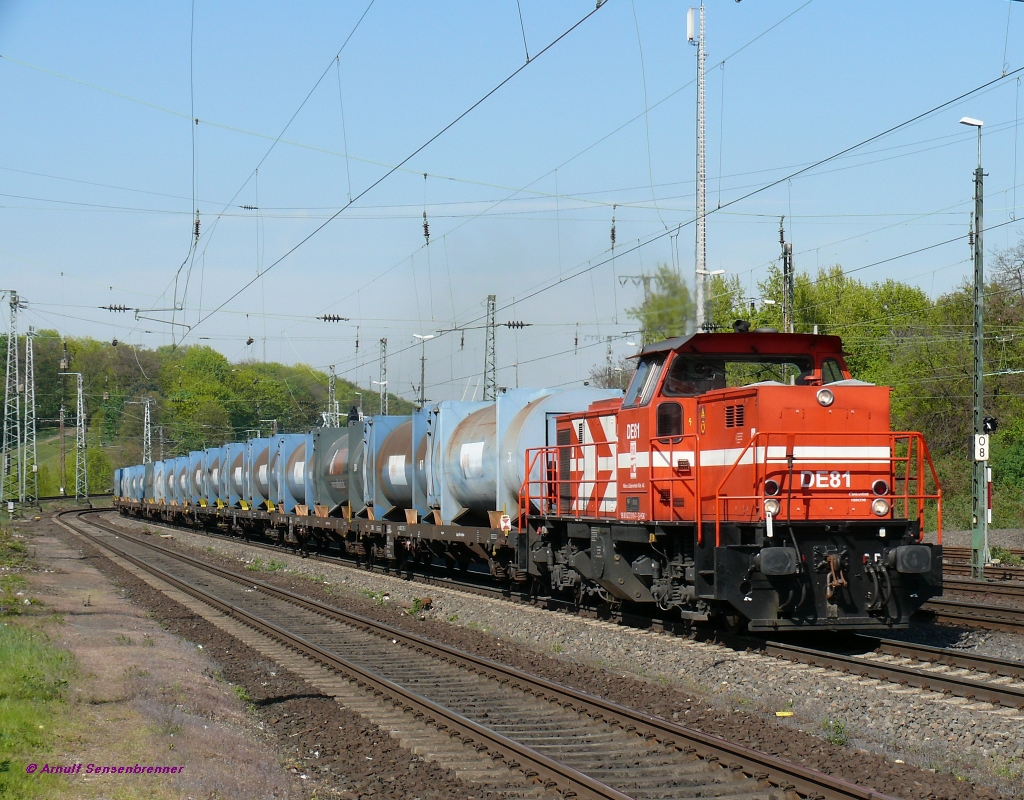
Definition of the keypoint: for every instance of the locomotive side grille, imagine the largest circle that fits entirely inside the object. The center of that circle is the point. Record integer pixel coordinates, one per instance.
(564, 465)
(734, 416)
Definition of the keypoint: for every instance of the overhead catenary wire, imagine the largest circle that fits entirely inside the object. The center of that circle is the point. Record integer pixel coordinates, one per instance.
(408, 158)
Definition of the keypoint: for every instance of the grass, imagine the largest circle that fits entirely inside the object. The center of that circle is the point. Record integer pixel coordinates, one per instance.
(380, 598)
(259, 565)
(1004, 556)
(836, 732)
(12, 556)
(33, 684)
(557, 648)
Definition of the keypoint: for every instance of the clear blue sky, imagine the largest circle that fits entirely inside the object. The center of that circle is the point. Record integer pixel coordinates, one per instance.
(96, 164)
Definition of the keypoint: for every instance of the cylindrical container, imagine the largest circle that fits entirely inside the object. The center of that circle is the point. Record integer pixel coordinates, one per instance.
(159, 482)
(234, 473)
(395, 466)
(331, 470)
(471, 461)
(214, 455)
(182, 475)
(259, 465)
(295, 473)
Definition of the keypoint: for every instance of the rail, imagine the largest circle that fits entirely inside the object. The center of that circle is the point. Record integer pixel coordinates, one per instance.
(778, 771)
(906, 455)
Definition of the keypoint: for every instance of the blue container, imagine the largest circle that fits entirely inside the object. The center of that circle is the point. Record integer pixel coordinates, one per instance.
(330, 467)
(196, 469)
(294, 478)
(257, 489)
(214, 467)
(148, 487)
(234, 472)
(375, 502)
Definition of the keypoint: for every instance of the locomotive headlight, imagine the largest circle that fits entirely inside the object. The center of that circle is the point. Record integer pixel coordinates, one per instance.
(825, 397)
(880, 487)
(880, 507)
(771, 506)
(771, 487)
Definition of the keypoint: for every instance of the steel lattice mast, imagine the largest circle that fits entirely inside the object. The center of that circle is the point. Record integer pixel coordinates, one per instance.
(30, 463)
(490, 352)
(147, 436)
(81, 468)
(10, 486)
(383, 376)
(701, 276)
(332, 417)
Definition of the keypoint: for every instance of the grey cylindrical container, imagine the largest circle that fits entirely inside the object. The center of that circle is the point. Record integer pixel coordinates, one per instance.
(395, 466)
(295, 472)
(471, 461)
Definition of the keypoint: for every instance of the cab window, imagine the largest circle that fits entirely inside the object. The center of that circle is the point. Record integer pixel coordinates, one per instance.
(644, 380)
(694, 375)
(831, 371)
(670, 420)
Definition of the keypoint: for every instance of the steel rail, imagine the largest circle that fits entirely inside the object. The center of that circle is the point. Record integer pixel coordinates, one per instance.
(999, 618)
(777, 771)
(953, 658)
(912, 676)
(1001, 588)
(532, 763)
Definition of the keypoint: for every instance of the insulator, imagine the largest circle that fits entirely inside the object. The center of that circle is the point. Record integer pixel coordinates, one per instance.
(250, 208)
(116, 308)
(516, 324)
(613, 226)
(462, 342)
(197, 226)
(426, 228)
(333, 318)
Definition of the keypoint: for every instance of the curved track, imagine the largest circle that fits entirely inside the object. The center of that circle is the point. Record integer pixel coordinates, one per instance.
(567, 739)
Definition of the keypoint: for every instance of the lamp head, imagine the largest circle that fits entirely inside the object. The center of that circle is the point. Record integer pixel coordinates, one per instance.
(974, 123)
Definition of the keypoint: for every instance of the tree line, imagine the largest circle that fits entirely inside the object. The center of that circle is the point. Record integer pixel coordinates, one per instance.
(197, 399)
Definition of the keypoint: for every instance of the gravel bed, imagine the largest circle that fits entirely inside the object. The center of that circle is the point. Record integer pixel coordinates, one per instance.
(997, 644)
(331, 749)
(707, 686)
(1003, 537)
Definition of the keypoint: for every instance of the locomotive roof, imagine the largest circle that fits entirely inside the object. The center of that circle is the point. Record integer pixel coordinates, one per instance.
(750, 342)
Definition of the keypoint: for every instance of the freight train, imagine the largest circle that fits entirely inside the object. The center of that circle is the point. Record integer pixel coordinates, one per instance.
(744, 478)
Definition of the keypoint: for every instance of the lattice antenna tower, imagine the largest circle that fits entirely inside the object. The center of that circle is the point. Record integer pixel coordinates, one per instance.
(697, 38)
(10, 486)
(147, 435)
(383, 375)
(81, 469)
(30, 464)
(490, 357)
(332, 418)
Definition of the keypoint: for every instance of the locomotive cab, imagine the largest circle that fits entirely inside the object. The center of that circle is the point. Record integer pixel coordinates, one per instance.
(745, 476)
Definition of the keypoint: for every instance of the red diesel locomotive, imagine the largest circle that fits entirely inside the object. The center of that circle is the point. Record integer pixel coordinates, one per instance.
(746, 477)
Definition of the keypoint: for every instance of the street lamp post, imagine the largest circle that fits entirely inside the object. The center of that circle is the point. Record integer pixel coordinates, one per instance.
(979, 504)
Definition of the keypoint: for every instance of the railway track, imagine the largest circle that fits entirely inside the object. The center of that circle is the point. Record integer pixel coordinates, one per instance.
(562, 738)
(975, 677)
(978, 615)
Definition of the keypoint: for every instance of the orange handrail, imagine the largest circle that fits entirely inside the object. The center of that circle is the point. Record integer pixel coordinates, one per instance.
(911, 437)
